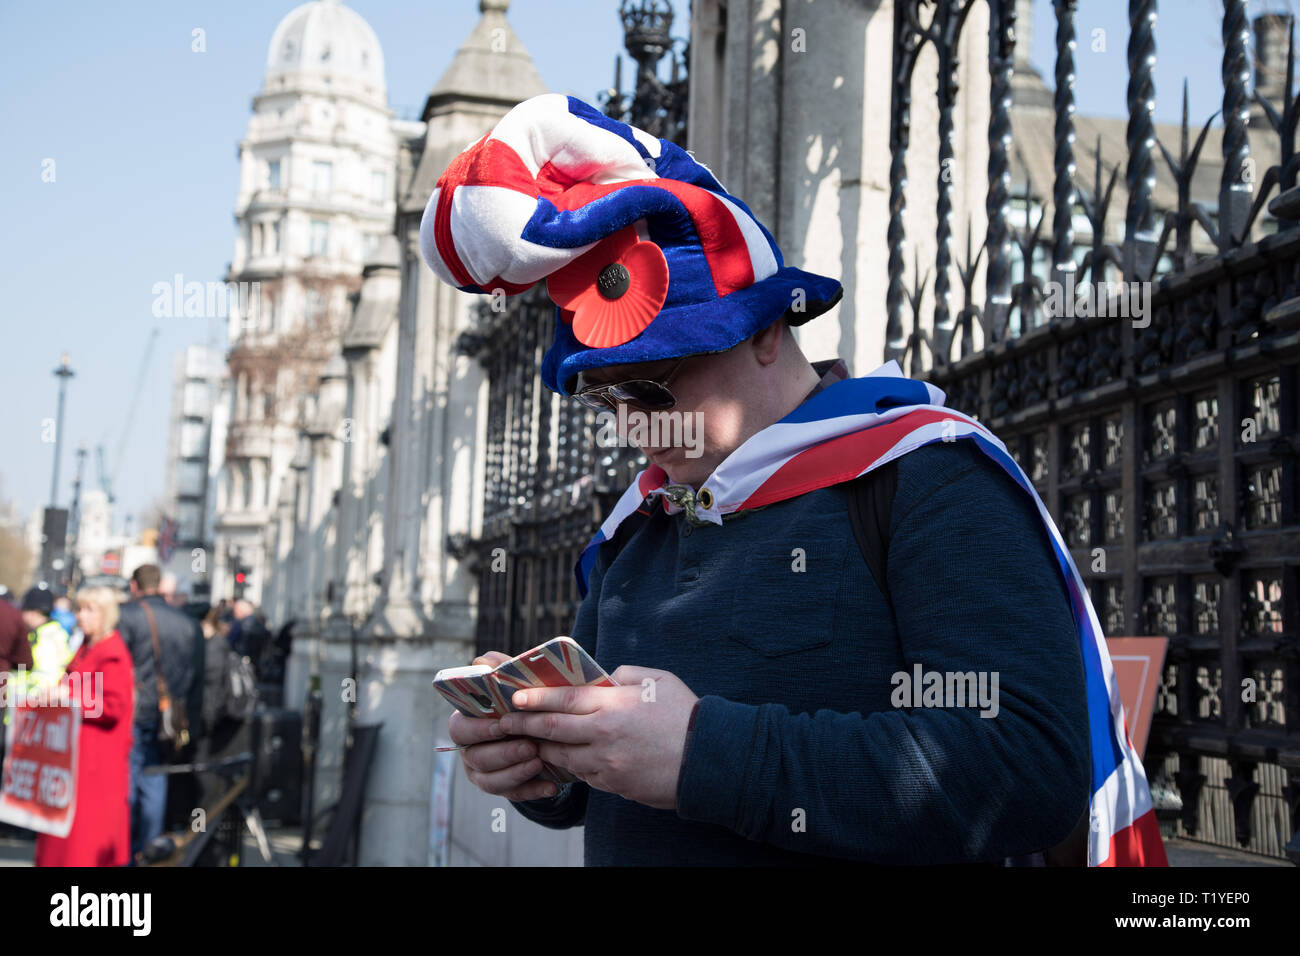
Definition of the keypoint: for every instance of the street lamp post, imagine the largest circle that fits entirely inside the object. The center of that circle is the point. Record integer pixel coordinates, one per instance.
(54, 520)
(62, 373)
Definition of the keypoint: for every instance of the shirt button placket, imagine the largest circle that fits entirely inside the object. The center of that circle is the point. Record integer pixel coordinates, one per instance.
(688, 571)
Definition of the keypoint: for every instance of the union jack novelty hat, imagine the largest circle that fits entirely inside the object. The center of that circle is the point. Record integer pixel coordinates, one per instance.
(646, 256)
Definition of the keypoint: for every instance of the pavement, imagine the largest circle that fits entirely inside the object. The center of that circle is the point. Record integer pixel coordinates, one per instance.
(286, 844)
(1191, 853)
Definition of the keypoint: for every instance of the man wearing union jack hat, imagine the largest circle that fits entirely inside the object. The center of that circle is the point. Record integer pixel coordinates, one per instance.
(770, 708)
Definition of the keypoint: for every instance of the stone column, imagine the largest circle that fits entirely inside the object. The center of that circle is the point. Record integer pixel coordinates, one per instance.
(790, 107)
(399, 611)
(303, 651)
(334, 632)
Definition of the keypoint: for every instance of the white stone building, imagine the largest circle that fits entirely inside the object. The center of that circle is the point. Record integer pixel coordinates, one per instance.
(316, 196)
(197, 373)
(95, 536)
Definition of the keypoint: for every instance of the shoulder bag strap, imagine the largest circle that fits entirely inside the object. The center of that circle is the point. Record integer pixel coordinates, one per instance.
(164, 698)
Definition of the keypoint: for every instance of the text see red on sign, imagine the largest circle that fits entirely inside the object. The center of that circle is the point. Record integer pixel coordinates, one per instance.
(38, 789)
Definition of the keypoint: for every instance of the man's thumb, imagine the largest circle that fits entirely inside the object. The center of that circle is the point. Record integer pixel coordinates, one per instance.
(629, 674)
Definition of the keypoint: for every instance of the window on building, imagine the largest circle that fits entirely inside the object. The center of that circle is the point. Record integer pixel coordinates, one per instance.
(275, 236)
(320, 235)
(257, 238)
(378, 185)
(190, 477)
(197, 399)
(273, 174)
(193, 439)
(369, 240)
(189, 521)
(322, 175)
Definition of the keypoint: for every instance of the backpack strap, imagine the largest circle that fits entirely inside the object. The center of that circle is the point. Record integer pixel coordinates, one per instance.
(871, 502)
(630, 526)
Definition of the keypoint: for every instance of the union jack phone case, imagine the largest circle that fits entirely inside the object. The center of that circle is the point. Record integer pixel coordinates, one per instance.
(483, 691)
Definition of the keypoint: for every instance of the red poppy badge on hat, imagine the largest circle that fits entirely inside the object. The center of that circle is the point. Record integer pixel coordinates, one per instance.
(612, 291)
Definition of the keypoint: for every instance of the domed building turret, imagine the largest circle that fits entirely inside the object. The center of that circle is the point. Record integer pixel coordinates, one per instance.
(327, 44)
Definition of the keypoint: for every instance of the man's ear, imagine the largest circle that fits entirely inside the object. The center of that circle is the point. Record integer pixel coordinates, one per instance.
(767, 342)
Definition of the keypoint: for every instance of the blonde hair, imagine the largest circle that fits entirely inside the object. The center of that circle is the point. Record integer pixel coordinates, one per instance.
(106, 600)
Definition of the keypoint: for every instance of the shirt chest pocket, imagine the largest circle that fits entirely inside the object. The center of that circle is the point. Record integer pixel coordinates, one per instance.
(785, 600)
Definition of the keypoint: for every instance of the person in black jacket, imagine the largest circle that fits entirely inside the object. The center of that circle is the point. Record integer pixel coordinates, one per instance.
(248, 635)
(180, 642)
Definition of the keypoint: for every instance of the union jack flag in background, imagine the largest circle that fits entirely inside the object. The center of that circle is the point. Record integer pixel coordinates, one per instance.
(166, 539)
(853, 426)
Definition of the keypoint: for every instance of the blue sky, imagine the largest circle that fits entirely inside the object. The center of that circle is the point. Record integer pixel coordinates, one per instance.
(143, 133)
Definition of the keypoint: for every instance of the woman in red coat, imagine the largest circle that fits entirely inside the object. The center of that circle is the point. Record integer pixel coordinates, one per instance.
(103, 674)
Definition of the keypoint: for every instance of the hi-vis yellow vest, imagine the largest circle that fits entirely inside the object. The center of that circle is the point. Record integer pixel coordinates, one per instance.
(50, 656)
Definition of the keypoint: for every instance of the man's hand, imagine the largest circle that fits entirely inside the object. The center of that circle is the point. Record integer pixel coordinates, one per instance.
(626, 740)
(494, 762)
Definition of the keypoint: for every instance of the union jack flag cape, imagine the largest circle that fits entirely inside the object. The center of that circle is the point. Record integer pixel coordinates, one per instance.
(855, 425)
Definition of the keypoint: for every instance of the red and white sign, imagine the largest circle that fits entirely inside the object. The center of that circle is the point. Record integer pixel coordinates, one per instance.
(110, 563)
(40, 769)
(1138, 662)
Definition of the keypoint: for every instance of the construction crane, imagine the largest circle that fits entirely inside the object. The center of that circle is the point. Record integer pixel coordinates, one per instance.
(104, 482)
(108, 478)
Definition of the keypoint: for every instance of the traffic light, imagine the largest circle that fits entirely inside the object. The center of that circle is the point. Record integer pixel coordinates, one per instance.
(242, 575)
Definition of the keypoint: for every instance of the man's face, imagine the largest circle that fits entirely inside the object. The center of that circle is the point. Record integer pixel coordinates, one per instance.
(712, 391)
(34, 619)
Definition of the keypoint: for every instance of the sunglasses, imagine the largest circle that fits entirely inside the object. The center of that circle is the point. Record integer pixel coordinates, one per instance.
(639, 391)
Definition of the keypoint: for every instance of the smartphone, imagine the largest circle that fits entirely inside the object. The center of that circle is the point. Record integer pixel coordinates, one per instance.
(481, 690)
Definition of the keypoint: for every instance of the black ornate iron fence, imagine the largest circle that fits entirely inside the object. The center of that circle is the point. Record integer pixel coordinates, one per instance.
(1164, 442)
